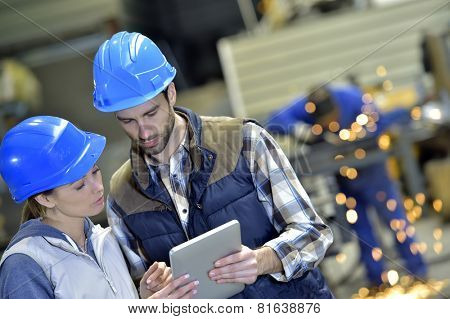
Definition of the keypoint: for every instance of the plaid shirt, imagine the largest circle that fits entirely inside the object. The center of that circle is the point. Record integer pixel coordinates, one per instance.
(175, 177)
(303, 239)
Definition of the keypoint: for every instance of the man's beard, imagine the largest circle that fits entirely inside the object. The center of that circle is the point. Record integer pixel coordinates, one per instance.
(164, 137)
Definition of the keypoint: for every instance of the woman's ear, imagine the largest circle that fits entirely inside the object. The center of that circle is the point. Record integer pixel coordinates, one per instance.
(172, 94)
(45, 201)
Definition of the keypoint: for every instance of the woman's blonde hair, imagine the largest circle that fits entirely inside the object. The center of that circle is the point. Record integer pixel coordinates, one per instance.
(33, 209)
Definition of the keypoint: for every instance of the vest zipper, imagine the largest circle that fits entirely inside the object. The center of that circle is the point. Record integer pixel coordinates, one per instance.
(104, 273)
(110, 283)
(99, 263)
(102, 267)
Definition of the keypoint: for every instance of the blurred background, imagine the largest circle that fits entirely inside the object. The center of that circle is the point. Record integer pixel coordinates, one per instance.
(250, 58)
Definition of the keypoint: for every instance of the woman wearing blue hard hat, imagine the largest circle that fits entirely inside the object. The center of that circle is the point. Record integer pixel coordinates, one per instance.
(58, 252)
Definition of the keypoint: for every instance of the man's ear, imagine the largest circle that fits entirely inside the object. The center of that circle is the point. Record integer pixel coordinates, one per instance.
(45, 201)
(172, 94)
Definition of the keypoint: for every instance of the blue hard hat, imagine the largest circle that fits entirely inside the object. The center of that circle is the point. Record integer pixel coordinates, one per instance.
(45, 152)
(129, 69)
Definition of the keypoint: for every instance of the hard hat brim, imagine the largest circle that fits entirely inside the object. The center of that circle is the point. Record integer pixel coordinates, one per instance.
(133, 101)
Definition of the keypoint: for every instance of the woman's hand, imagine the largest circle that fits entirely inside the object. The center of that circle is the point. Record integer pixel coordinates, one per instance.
(179, 288)
(155, 278)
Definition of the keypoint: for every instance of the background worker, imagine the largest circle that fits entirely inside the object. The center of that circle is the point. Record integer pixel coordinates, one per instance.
(339, 106)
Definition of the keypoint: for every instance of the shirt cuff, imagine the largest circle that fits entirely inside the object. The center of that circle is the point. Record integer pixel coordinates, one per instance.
(290, 259)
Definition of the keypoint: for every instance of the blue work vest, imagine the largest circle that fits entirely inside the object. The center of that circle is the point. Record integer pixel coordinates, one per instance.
(221, 189)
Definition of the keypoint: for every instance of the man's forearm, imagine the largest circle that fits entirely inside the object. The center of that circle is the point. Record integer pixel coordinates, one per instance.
(268, 261)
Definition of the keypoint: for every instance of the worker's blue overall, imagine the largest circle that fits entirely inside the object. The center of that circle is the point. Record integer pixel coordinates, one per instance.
(370, 180)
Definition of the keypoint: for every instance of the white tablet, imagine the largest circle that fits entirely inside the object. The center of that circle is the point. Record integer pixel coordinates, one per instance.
(196, 257)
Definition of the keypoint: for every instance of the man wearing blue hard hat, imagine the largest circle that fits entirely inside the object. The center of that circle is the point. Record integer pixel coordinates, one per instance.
(188, 174)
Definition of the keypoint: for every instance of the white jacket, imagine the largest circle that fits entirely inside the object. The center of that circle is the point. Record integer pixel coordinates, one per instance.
(74, 274)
